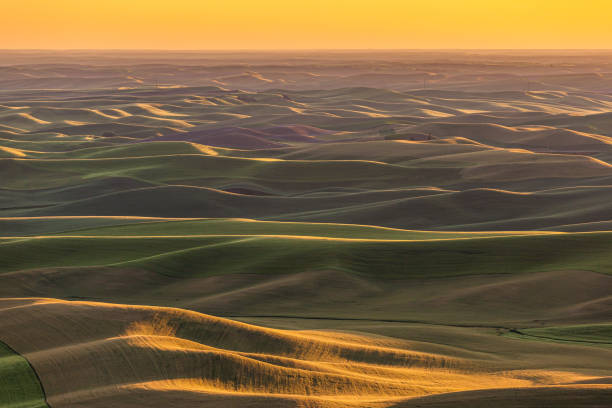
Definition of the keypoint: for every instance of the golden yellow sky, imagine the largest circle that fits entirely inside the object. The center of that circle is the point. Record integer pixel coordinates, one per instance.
(311, 24)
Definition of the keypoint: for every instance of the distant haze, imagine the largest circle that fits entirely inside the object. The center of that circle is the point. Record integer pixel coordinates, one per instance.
(300, 24)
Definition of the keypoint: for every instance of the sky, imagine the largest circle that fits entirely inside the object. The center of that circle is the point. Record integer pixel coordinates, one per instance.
(305, 24)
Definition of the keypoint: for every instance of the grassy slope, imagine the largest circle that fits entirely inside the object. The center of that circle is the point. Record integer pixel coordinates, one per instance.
(274, 254)
(401, 259)
(472, 209)
(270, 267)
(43, 226)
(286, 185)
(200, 169)
(164, 166)
(19, 385)
(251, 227)
(595, 334)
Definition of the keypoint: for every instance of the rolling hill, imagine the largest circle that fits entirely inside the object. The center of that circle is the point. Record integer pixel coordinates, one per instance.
(306, 229)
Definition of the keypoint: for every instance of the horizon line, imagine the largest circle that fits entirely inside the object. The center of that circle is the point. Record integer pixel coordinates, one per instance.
(300, 49)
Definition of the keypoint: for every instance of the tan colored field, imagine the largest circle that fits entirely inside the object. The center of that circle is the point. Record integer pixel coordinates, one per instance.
(97, 354)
